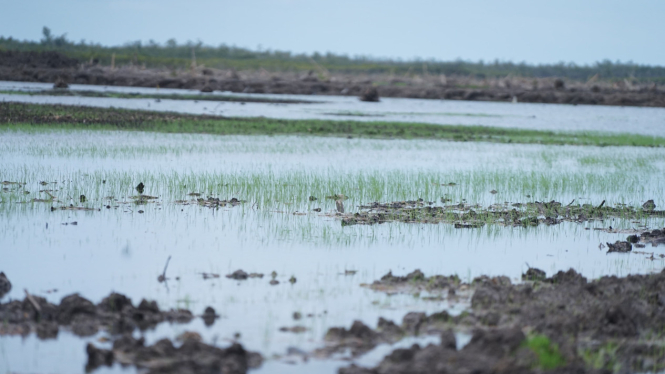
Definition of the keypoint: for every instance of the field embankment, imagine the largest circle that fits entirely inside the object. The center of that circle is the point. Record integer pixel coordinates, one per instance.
(53, 66)
(41, 116)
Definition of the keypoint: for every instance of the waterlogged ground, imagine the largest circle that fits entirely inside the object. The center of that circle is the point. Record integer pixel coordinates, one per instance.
(122, 246)
(644, 121)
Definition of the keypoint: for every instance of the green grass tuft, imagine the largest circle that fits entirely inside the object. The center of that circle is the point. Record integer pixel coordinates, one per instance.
(547, 352)
(604, 357)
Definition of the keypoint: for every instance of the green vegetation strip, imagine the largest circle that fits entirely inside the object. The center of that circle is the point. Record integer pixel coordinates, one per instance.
(38, 117)
(547, 352)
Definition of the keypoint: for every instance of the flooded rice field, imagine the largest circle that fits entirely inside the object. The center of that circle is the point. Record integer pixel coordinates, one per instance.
(644, 121)
(173, 217)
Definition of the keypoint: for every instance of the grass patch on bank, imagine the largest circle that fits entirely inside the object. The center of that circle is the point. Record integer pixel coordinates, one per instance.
(29, 117)
(547, 352)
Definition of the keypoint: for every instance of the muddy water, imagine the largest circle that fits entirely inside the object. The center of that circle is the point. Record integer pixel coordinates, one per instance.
(647, 121)
(122, 250)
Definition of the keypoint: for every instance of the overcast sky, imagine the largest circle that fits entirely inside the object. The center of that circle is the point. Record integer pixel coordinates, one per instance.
(517, 30)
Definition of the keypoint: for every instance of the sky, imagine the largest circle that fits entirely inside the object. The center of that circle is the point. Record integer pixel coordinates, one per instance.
(532, 31)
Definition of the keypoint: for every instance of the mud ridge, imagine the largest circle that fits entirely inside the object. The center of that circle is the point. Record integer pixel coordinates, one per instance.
(468, 216)
(52, 66)
(115, 313)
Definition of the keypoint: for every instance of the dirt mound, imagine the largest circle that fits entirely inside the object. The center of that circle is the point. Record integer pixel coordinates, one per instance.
(50, 60)
(655, 237)
(496, 351)
(115, 313)
(371, 94)
(193, 356)
(564, 322)
(359, 338)
(5, 285)
(608, 308)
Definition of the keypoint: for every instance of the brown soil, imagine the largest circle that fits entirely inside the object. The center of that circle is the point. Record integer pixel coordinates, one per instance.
(49, 67)
(607, 325)
(193, 356)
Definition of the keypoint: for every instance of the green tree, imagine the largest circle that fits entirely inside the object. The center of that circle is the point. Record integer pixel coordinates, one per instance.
(48, 37)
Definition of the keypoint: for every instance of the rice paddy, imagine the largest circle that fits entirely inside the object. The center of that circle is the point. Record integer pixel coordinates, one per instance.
(121, 242)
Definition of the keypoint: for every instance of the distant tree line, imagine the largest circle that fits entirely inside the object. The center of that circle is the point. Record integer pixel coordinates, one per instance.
(176, 55)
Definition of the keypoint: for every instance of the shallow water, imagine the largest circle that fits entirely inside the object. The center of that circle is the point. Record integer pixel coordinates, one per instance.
(556, 117)
(122, 250)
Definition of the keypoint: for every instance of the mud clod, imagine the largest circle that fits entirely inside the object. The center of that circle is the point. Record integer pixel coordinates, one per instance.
(371, 94)
(415, 282)
(360, 338)
(209, 316)
(448, 340)
(114, 313)
(533, 274)
(654, 237)
(649, 206)
(389, 330)
(238, 275)
(74, 306)
(5, 285)
(193, 356)
(413, 321)
(620, 247)
(294, 329)
(189, 336)
(60, 84)
(97, 357)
